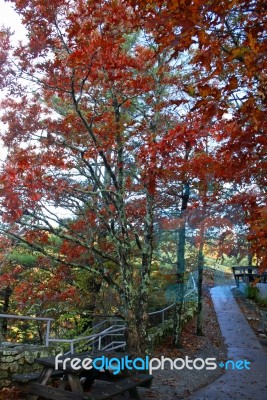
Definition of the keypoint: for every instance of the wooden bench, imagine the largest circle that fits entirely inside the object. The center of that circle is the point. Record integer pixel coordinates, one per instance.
(33, 376)
(245, 274)
(100, 393)
(119, 387)
(49, 392)
(23, 380)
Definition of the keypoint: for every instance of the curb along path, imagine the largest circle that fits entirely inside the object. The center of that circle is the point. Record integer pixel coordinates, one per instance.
(242, 344)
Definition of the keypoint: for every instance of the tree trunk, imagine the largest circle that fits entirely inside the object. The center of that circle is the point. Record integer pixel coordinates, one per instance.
(136, 310)
(178, 309)
(200, 280)
(179, 300)
(137, 293)
(136, 334)
(87, 315)
(250, 257)
(7, 295)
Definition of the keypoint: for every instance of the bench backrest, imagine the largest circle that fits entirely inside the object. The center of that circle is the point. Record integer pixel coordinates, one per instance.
(245, 270)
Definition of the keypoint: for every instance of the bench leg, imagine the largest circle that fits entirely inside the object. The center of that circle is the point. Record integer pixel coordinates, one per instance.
(75, 383)
(31, 397)
(134, 393)
(89, 379)
(44, 377)
(63, 383)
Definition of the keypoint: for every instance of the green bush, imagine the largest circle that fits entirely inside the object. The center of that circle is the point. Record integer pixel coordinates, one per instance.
(251, 292)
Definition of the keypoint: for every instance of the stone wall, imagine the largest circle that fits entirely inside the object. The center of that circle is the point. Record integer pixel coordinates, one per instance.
(19, 359)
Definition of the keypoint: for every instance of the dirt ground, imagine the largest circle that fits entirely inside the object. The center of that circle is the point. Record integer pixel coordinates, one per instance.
(253, 315)
(169, 384)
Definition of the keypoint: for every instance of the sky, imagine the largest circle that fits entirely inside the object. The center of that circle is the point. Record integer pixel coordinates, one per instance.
(9, 18)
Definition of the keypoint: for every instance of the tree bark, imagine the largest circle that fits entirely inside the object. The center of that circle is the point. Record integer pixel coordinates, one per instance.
(136, 332)
(178, 309)
(7, 295)
(199, 330)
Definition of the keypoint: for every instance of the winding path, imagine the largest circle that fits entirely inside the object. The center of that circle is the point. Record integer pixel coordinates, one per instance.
(242, 344)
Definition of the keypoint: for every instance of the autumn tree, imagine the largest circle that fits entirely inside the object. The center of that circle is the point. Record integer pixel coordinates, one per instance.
(229, 42)
(227, 92)
(87, 104)
(101, 121)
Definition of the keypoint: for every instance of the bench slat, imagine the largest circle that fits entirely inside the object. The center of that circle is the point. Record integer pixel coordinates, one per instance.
(49, 392)
(118, 387)
(25, 378)
(33, 376)
(245, 274)
(103, 393)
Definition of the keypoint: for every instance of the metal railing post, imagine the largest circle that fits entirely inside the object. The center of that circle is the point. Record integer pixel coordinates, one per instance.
(48, 326)
(24, 317)
(72, 347)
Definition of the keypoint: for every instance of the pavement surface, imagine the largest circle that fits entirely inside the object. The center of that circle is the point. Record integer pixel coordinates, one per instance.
(250, 381)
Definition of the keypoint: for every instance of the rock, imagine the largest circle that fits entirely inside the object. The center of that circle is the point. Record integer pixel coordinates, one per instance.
(3, 374)
(13, 367)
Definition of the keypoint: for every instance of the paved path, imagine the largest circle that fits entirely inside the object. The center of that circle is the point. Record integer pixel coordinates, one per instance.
(242, 344)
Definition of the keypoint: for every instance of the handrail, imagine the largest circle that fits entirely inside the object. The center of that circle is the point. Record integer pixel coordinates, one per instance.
(25, 317)
(48, 320)
(112, 330)
(107, 320)
(89, 336)
(162, 311)
(111, 346)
